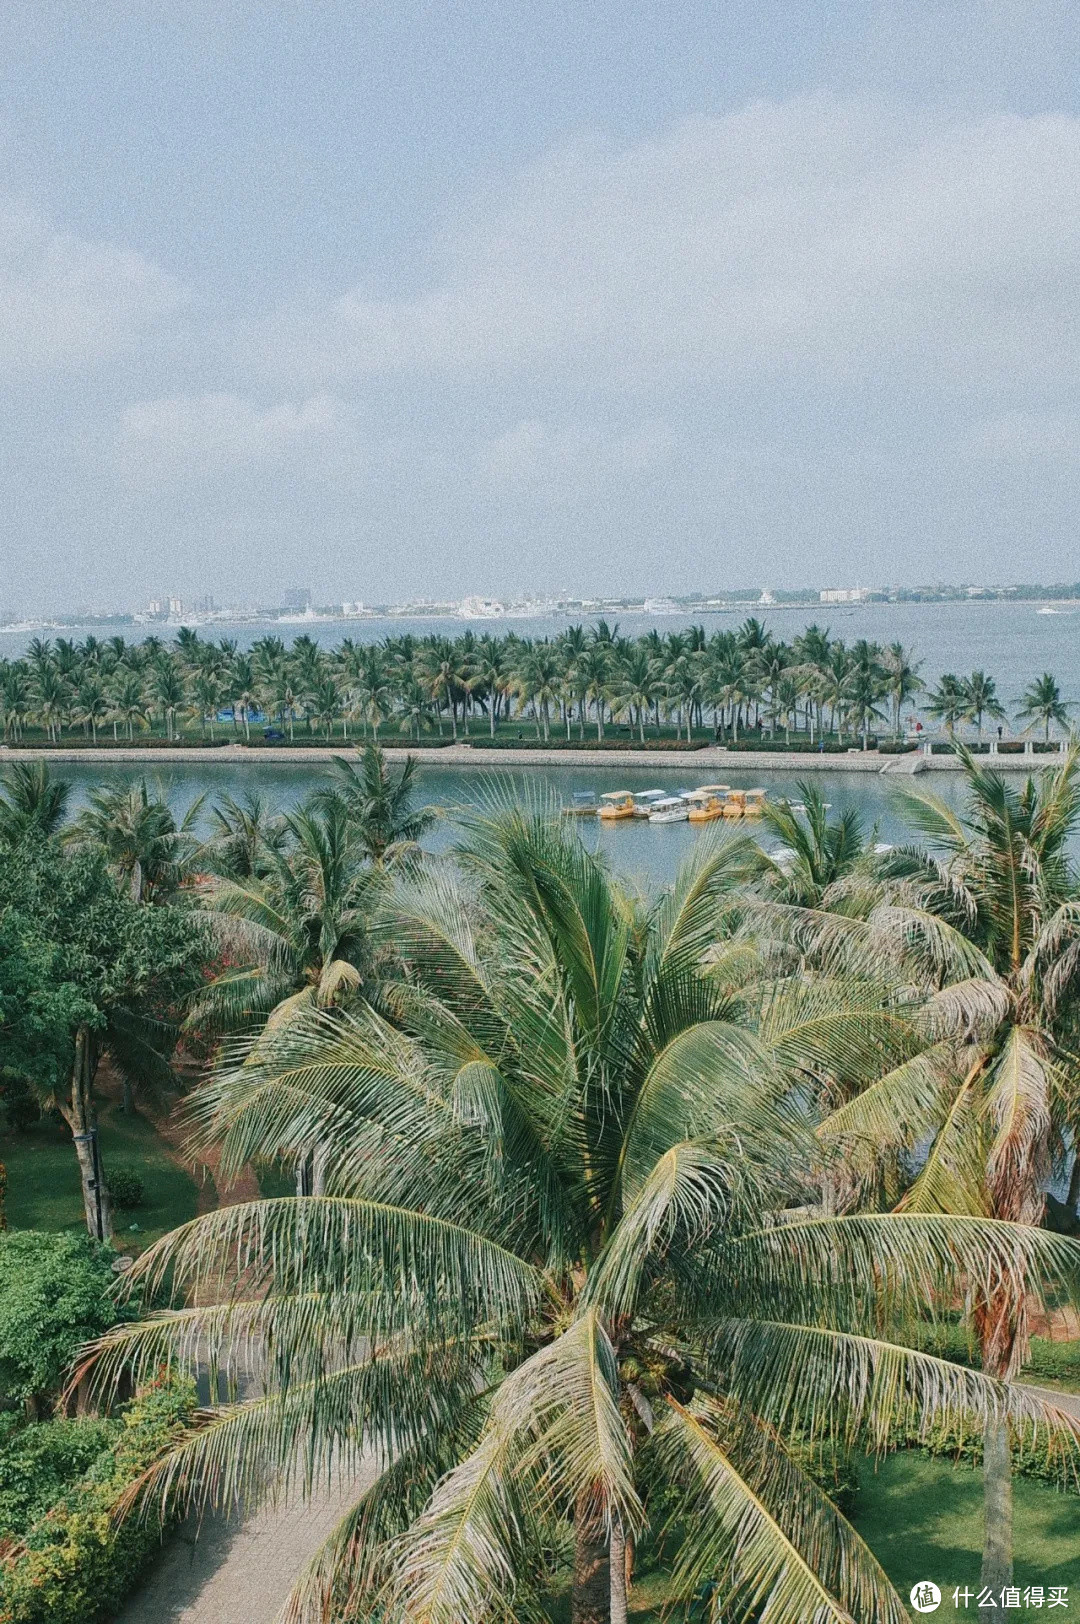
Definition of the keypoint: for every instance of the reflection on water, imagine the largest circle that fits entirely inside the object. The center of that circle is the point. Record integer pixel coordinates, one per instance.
(645, 852)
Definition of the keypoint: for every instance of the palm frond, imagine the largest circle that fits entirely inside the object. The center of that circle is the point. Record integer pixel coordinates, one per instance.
(555, 1435)
(758, 1527)
(854, 1390)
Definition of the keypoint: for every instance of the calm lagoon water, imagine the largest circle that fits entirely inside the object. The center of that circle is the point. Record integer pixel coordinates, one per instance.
(646, 853)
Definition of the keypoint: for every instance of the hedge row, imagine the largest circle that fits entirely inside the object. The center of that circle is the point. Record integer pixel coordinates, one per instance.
(77, 1563)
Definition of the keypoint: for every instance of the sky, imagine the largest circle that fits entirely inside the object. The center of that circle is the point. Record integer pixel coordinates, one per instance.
(394, 300)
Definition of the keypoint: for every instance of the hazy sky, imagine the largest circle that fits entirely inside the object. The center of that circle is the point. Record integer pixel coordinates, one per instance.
(393, 298)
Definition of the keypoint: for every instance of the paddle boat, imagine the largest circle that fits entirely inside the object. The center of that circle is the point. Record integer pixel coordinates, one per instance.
(672, 809)
(582, 805)
(708, 803)
(617, 804)
(646, 799)
(754, 803)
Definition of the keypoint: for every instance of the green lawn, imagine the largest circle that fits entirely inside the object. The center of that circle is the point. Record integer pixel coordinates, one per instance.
(43, 1179)
(923, 1520)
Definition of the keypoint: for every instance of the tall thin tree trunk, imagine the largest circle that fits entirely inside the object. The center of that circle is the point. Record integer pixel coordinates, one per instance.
(81, 1118)
(620, 1576)
(590, 1601)
(997, 1561)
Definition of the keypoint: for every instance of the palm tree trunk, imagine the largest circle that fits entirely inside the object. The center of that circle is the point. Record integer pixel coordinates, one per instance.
(590, 1601)
(997, 1561)
(620, 1576)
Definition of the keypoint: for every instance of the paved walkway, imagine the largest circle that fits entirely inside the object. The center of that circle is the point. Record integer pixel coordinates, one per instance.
(473, 756)
(237, 1572)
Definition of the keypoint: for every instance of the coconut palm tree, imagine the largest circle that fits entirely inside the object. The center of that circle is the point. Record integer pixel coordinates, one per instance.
(561, 1261)
(818, 853)
(296, 935)
(148, 850)
(1043, 703)
(243, 833)
(980, 692)
(128, 699)
(902, 680)
(15, 697)
(205, 700)
(91, 703)
(948, 702)
(51, 699)
(32, 801)
(634, 688)
(166, 689)
(988, 918)
(379, 805)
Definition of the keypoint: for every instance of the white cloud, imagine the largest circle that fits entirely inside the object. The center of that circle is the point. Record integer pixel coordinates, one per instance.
(188, 434)
(552, 463)
(66, 300)
(786, 236)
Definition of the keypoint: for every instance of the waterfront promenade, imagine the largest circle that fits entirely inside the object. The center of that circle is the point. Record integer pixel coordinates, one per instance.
(473, 756)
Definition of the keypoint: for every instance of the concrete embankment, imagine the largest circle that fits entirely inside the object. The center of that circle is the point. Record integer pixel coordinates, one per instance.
(476, 756)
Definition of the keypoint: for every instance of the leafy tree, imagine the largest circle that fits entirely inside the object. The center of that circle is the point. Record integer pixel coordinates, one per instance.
(108, 973)
(564, 1257)
(54, 1296)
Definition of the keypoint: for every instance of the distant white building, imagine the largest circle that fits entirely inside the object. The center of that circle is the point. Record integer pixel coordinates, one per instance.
(767, 599)
(481, 609)
(348, 610)
(660, 606)
(845, 594)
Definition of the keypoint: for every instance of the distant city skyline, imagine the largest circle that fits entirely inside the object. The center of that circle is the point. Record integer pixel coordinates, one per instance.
(398, 299)
(297, 604)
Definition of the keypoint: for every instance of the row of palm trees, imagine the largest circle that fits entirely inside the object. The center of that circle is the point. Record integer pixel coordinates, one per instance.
(582, 679)
(610, 1203)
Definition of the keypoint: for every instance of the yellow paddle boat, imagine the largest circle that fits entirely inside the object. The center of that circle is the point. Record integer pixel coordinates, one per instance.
(708, 803)
(616, 804)
(754, 804)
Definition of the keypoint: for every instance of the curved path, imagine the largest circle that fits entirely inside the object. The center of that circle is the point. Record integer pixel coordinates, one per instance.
(234, 1571)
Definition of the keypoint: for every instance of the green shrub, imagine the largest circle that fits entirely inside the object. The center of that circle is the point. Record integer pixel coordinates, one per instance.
(1053, 1361)
(78, 1562)
(39, 1463)
(54, 1296)
(126, 1188)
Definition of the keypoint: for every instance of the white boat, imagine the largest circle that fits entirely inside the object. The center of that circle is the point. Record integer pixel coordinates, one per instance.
(671, 809)
(646, 799)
